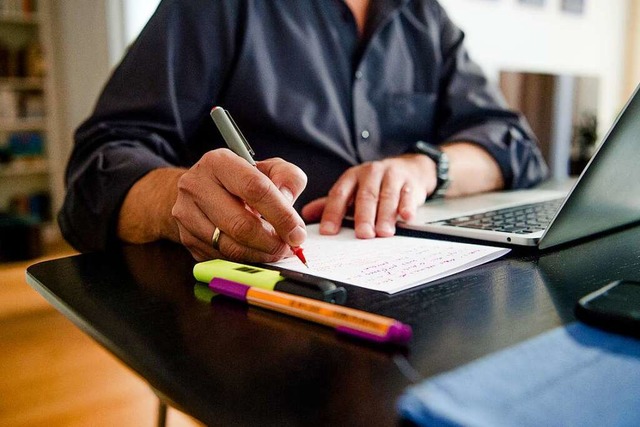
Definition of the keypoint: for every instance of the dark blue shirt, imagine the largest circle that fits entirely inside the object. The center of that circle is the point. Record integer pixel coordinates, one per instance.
(301, 83)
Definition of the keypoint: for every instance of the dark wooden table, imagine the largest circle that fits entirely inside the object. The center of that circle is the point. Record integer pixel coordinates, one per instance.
(229, 364)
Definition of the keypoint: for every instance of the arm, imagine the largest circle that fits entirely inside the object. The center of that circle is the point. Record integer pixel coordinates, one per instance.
(472, 170)
(155, 192)
(258, 221)
(148, 117)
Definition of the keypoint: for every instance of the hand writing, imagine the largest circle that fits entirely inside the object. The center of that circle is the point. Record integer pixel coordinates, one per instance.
(252, 208)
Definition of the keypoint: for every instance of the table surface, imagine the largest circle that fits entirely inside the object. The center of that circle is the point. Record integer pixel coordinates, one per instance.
(229, 364)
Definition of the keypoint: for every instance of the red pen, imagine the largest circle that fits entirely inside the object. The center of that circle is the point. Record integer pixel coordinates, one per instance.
(239, 145)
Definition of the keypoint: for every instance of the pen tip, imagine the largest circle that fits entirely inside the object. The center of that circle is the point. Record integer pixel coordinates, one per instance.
(297, 250)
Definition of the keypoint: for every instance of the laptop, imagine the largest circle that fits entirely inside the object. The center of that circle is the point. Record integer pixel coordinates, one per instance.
(606, 196)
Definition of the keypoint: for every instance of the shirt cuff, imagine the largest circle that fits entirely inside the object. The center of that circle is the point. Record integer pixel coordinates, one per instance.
(517, 155)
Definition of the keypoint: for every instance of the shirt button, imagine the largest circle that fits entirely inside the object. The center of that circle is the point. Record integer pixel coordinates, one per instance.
(358, 75)
(364, 134)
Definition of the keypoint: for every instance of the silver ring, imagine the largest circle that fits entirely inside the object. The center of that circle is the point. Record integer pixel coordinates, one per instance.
(215, 238)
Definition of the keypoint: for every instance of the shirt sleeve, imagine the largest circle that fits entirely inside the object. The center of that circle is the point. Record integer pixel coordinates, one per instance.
(147, 112)
(472, 109)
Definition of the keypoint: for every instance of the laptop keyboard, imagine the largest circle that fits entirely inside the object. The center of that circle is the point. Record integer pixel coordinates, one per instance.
(521, 219)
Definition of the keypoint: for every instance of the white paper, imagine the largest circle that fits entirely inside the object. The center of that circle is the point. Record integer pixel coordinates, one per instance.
(388, 264)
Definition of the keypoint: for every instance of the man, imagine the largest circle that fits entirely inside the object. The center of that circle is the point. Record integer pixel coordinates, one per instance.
(334, 91)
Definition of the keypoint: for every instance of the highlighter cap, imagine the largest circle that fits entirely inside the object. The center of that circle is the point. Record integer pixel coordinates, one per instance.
(398, 333)
(229, 289)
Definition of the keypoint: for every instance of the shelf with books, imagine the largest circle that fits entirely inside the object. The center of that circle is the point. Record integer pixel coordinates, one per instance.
(22, 83)
(17, 18)
(24, 167)
(22, 125)
(19, 12)
(25, 107)
(22, 100)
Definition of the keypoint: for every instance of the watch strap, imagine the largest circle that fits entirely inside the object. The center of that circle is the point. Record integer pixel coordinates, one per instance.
(441, 160)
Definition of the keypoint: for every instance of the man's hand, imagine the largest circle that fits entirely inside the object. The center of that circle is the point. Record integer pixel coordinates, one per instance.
(381, 191)
(251, 206)
(393, 188)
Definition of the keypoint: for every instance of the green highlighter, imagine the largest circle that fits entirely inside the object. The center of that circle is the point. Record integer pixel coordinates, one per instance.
(284, 281)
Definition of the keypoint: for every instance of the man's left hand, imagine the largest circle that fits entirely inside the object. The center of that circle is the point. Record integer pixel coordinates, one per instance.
(381, 191)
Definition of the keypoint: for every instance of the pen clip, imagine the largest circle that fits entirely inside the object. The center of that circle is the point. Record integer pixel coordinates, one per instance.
(244, 140)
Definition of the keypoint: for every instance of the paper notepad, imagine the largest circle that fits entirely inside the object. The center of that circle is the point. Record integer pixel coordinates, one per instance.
(388, 264)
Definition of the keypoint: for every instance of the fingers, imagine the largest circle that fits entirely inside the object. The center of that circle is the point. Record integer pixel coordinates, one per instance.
(381, 191)
(377, 200)
(259, 192)
(257, 222)
(312, 211)
(233, 249)
(367, 199)
(193, 226)
(287, 177)
(410, 199)
(202, 249)
(389, 203)
(339, 198)
(408, 204)
(243, 234)
(362, 185)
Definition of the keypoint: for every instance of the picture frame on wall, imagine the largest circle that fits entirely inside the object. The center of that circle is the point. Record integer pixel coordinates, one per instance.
(537, 3)
(573, 6)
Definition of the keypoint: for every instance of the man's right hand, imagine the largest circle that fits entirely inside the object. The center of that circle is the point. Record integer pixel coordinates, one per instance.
(252, 207)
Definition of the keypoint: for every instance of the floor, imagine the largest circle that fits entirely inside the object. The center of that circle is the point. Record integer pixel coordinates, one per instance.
(51, 374)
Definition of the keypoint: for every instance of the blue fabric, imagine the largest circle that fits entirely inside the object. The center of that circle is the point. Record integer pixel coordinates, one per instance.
(573, 376)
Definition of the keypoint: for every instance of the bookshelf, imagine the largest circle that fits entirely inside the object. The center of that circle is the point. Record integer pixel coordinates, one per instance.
(25, 125)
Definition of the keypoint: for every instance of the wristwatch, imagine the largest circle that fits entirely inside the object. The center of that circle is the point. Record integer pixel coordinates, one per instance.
(442, 166)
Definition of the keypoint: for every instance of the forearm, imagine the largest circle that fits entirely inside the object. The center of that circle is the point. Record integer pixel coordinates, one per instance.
(145, 215)
(472, 169)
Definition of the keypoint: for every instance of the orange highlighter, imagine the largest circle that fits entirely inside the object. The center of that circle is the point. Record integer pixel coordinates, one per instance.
(345, 320)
